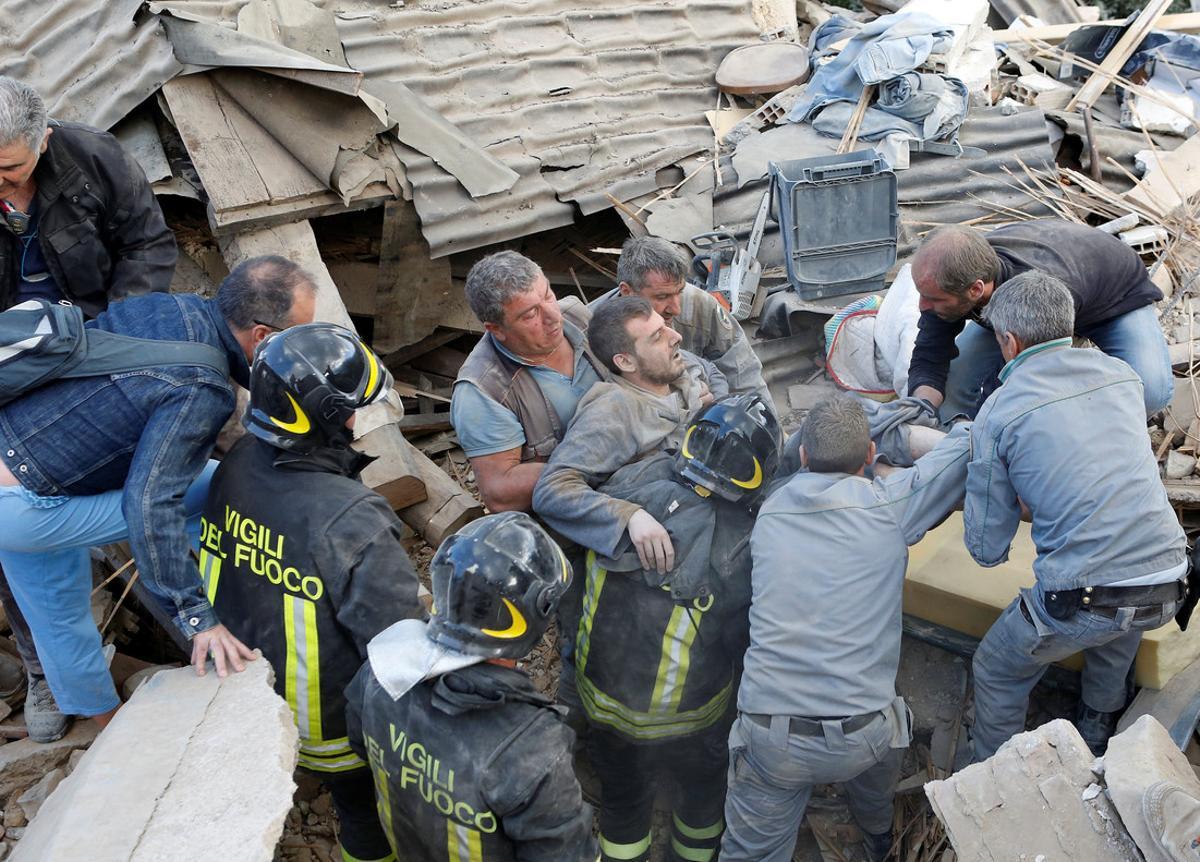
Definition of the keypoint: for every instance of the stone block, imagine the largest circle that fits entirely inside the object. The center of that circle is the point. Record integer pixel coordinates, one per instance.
(32, 799)
(24, 762)
(197, 768)
(1137, 758)
(1030, 801)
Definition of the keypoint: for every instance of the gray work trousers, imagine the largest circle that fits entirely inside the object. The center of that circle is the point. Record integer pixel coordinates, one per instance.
(1016, 651)
(20, 629)
(772, 774)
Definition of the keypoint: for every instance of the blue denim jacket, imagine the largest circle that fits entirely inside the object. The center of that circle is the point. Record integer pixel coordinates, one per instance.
(149, 432)
(1066, 434)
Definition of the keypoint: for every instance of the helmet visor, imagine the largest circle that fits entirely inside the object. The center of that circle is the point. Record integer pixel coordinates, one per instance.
(729, 459)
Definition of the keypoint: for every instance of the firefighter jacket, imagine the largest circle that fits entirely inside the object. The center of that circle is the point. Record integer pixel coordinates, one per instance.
(658, 657)
(471, 766)
(304, 562)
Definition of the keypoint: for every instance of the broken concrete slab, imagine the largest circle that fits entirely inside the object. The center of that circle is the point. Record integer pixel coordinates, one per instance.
(1179, 465)
(1027, 802)
(1137, 758)
(199, 768)
(806, 396)
(680, 219)
(23, 762)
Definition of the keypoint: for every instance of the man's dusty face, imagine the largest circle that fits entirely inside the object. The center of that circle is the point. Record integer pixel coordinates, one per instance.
(947, 306)
(656, 349)
(533, 324)
(17, 162)
(663, 293)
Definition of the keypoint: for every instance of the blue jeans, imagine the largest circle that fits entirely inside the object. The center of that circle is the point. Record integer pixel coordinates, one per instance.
(1134, 337)
(1015, 653)
(772, 774)
(44, 552)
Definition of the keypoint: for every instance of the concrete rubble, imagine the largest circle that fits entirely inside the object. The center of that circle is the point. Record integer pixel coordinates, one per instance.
(1028, 802)
(192, 768)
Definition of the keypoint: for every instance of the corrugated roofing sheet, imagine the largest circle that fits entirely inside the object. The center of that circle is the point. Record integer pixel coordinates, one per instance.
(582, 99)
(934, 190)
(1047, 11)
(88, 58)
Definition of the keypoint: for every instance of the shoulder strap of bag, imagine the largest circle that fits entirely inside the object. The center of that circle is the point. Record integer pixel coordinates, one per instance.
(112, 353)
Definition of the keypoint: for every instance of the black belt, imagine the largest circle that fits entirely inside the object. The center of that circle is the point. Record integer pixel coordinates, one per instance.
(1106, 601)
(801, 726)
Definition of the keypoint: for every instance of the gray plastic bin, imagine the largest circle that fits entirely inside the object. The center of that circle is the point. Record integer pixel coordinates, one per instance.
(838, 219)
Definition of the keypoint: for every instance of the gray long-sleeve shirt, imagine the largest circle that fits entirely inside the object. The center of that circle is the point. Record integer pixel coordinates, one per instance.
(710, 332)
(1066, 434)
(830, 552)
(615, 424)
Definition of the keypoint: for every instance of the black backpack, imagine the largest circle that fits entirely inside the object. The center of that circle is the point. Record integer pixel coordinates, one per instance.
(41, 341)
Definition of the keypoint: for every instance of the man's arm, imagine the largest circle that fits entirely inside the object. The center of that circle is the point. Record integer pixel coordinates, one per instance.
(991, 511)
(599, 442)
(931, 356)
(924, 494)
(492, 437)
(729, 349)
(141, 244)
(170, 454)
(376, 585)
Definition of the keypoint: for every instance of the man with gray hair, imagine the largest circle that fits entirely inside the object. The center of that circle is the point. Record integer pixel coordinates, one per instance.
(1111, 554)
(78, 222)
(957, 269)
(817, 702)
(517, 391)
(77, 218)
(657, 271)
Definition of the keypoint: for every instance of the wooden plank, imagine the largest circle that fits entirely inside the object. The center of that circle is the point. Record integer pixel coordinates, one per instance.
(1094, 86)
(414, 290)
(1186, 22)
(228, 222)
(445, 361)
(430, 342)
(416, 424)
(216, 149)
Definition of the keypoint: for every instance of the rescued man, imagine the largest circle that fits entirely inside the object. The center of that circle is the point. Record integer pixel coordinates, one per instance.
(663, 622)
(100, 459)
(300, 559)
(1111, 553)
(817, 702)
(78, 222)
(470, 761)
(957, 269)
(656, 270)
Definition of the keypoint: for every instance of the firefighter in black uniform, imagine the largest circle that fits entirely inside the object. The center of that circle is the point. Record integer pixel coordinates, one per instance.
(300, 559)
(471, 763)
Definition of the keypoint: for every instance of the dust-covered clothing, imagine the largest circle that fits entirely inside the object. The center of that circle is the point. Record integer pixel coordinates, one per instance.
(473, 765)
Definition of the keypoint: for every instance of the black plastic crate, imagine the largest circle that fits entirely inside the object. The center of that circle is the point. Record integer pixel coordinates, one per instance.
(838, 218)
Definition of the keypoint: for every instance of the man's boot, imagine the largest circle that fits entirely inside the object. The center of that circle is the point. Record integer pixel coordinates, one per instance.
(878, 846)
(43, 719)
(1095, 726)
(12, 679)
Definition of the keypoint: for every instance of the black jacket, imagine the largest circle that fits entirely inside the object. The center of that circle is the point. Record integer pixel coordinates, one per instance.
(99, 226)
(304, 562)
(474, 764)
(1106, 279)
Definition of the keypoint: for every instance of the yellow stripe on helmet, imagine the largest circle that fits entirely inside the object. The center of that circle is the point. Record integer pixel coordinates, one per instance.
(372, 372)
(299, 425)
(754, 482)
(686, 437)
(518, 627)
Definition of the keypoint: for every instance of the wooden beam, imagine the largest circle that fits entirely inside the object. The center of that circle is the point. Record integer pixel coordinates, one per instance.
(1053, 34)
(1095, 86)
(413, 291)
(393, 474)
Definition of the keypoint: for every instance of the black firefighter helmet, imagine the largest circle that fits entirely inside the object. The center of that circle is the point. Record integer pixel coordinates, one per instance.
(496, 583)
(731, 449)
(307, 381)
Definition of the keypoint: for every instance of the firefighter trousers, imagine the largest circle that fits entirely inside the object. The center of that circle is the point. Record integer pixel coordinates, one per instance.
(691, 768)
(361, 837)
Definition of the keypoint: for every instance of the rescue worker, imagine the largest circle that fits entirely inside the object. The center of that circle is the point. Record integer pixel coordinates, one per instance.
(471, 763)
(78, 221)
(817, 702)
(301, 559)
(957, 268)
(664, 618)
(657, 271)
(1111, 554)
